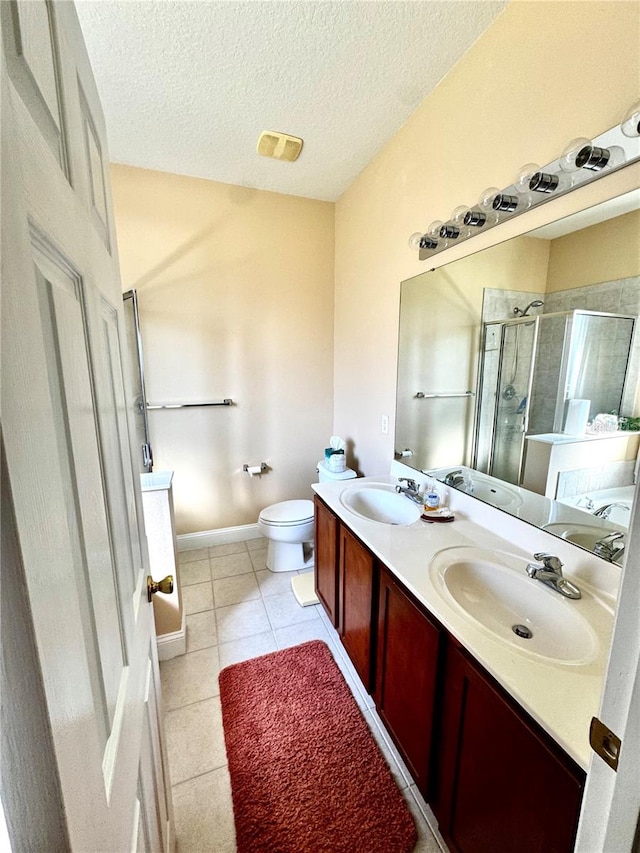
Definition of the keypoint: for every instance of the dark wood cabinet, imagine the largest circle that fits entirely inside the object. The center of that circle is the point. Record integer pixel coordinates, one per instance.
(504, 784)
(408, 656)
(495, 780)
(356, 603)
(326, 559)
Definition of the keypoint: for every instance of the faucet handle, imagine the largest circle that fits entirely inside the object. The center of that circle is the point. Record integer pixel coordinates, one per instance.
(613, 537)
(411, 484)
(550, 561)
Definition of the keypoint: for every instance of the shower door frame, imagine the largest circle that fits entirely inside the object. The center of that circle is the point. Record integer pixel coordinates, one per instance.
(523, 321)
(504, 324)
(141, 404)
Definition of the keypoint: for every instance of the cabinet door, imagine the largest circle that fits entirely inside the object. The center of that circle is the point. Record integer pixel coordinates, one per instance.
(326, 560)
(356, 602)
(505, 786)
(407, 668)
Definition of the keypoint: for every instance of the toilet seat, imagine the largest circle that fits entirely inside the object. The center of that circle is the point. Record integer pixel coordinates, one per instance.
(287, 513)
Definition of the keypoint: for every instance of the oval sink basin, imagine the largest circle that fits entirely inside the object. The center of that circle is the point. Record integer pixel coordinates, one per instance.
(380, 502)
(495, 493)
(521, 612)
(585, 535)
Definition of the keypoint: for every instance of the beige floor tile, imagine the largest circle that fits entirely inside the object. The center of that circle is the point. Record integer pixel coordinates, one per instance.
(202, 804)
(227, 549)
(195, 740)
(235, 589)
(190, 678)
(197, 571)
(232, 564)
(259, 559)
(274, 583)
(201, 630)
(247, 648)
(203, 812)
(293, 635)
(197, 597)
(241, 620)
(284, 610)
(192, 555)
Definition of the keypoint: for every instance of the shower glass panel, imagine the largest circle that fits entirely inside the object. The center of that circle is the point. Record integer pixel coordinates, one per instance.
(134, 364)
(598, 359)
(512, 399)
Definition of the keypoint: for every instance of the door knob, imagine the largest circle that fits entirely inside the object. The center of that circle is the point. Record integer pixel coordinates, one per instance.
(165, 586)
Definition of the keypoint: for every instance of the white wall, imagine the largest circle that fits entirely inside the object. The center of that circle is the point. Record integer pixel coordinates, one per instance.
(236, 300)
(544, 73)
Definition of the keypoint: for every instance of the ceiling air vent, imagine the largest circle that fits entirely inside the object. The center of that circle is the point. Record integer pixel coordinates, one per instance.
(278, 145)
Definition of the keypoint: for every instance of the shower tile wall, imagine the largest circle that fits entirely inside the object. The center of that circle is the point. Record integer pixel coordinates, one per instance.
(582, 480)
(546, 377)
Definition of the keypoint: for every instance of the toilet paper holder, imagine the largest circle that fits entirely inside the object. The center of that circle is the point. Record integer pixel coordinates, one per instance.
(251, 470)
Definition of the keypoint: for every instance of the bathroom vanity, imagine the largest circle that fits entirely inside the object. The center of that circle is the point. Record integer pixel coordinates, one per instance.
(494, 734)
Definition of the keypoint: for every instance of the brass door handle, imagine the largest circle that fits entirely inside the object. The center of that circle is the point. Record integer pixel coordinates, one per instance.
(164, 586)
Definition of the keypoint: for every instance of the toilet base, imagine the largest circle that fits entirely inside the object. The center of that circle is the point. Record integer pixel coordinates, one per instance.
(289, 556)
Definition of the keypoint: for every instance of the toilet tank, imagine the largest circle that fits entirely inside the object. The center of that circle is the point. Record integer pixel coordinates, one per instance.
(324, 474)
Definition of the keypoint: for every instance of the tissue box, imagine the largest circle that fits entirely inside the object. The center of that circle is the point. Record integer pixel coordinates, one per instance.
(337, 462)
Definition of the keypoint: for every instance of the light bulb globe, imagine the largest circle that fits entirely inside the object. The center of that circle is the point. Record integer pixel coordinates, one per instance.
(630, 124)
(568, 157)
(524, 176)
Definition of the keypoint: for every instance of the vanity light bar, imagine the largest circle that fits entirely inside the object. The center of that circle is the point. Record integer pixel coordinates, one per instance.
(582, 161)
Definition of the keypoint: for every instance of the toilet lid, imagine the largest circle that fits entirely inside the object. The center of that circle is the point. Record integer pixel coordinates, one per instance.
(288, 512)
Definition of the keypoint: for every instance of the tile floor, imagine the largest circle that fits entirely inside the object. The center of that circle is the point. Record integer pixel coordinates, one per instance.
(237, 609)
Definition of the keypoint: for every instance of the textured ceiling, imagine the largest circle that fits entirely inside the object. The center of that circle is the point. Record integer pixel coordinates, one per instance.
(187, 87)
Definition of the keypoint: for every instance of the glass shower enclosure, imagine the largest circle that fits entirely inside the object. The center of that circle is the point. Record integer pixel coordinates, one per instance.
(134, 363)
(530, 368)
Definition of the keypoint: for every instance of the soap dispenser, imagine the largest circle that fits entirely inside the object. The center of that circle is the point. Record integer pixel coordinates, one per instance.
(431, 498)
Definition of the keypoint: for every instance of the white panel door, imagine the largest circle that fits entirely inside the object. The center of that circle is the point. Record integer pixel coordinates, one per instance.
(67, 433)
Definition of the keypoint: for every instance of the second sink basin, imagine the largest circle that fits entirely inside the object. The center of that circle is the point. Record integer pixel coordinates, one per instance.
(495, 592)
(380, 502)
(585, 535)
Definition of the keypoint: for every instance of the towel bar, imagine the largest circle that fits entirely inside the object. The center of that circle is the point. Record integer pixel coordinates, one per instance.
(422, 395)
(187, 405)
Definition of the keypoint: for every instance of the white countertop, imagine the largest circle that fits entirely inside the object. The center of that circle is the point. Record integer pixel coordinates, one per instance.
(567, 438)
(561, 697)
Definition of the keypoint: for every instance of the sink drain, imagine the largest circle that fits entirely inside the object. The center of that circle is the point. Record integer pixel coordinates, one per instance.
(522, 631)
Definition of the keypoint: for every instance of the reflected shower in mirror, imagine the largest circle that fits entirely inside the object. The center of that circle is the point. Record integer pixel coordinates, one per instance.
(506, 355)
(548, 375)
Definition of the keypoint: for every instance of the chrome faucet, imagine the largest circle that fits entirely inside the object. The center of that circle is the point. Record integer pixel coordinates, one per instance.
(454, 478)
(604, 511)
(550, 573)
(410, 491)
(609, 547)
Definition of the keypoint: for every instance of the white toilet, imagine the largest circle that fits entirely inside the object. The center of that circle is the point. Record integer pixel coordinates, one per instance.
(289, 527)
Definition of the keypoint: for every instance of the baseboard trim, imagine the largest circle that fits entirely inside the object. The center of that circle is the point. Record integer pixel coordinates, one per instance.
(223, 536)
(174, 644)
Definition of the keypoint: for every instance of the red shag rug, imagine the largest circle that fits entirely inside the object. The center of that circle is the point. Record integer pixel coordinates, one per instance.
(306, 774)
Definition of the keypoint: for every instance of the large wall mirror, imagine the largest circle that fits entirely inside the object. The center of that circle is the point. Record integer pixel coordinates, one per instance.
(511, 362)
